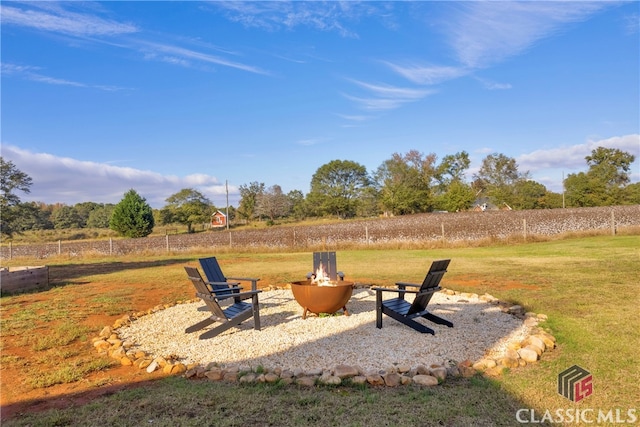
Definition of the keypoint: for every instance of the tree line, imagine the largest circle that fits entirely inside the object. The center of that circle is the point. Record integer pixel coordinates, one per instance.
(404, 184)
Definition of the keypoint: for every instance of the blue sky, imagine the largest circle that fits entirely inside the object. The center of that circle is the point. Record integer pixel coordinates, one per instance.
(102, 97)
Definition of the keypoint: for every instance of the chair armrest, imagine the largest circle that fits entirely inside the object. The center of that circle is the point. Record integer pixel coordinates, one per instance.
(394, 290)
(241, 295)
(231, 291)
(254, 281)
(430, 290)
(407, 284)
(230, 284)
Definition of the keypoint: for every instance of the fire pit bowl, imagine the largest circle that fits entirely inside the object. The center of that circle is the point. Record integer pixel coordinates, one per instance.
(322, 298)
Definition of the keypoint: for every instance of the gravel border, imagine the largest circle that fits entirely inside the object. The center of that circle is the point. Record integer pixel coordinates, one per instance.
(481, 329)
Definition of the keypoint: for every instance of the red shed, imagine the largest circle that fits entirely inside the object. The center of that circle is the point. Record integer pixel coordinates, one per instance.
(218, 219)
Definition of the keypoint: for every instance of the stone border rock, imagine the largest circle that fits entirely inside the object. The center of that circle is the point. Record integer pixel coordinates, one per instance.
(528, 351)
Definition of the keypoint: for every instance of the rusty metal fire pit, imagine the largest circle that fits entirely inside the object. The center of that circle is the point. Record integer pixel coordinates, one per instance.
(322, 298)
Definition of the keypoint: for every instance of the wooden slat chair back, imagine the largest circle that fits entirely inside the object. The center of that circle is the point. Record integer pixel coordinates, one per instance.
(217, 280)
(430, 285)
(403, 311)
(230, 316)
(328, 261)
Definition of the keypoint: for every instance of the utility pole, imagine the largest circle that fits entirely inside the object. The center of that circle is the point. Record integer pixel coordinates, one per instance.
(226, 186)
(562, 189)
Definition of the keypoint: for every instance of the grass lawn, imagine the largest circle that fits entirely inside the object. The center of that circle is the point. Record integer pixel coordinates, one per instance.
(588, 287)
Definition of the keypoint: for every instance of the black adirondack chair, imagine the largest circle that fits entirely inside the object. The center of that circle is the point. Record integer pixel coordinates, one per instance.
(405, 312)
(217, 281)
(328, 261)
(229, 317)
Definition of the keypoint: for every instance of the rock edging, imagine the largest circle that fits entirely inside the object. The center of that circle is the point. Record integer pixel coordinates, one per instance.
(518, 354)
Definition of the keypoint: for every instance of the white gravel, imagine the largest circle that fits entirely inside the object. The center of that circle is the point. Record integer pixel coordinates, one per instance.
(287, 341)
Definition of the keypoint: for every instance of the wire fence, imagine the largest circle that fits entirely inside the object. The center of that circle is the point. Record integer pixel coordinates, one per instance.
(422, 228)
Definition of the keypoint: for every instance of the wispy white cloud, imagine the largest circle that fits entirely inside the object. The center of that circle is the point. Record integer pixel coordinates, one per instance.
(632, 24)
(388, 91)
(355, 117)
(310, 141)
(386, 97)
(52, 17)
(484, 33)
(331, 16)
(30, 73)
(376, 104)
(179, 55)
(491, 85)
(427, 75)
(355, 120)
(174, 60)
(62, 21)
(70, 181)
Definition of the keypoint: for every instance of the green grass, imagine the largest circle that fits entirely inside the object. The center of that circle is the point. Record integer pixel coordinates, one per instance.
(65, 334)
(176, 401)
(68, 372)
(587, 286)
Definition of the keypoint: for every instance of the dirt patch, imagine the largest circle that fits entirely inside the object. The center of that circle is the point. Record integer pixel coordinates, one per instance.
(17, 395)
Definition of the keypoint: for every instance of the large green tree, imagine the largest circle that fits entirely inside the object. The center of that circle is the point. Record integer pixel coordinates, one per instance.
(611, 165)
(632, 194)
(604, 183)
(12, 180)
(336, 188)
(405, 181)
(132, 216)
(31, 216)
(249, 195)
(188, 207)
(453, 194)
(584, 190)
(497, 178)
(298, 204)
(273, 203)
(452, 168)
(84, 209)
(529, 194)
(100, 216)
(66, 217)
(458, 196)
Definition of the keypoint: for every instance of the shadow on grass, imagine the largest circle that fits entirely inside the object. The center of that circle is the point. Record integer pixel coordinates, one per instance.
(61, 274)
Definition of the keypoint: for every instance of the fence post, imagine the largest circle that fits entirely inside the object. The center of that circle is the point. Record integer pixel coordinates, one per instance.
(10, 250)
(524, 227)
(230, 244)
(167, 239)
(442, 227)
(366, 233)
(613, 223)
(110, 246)
(59, 247)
